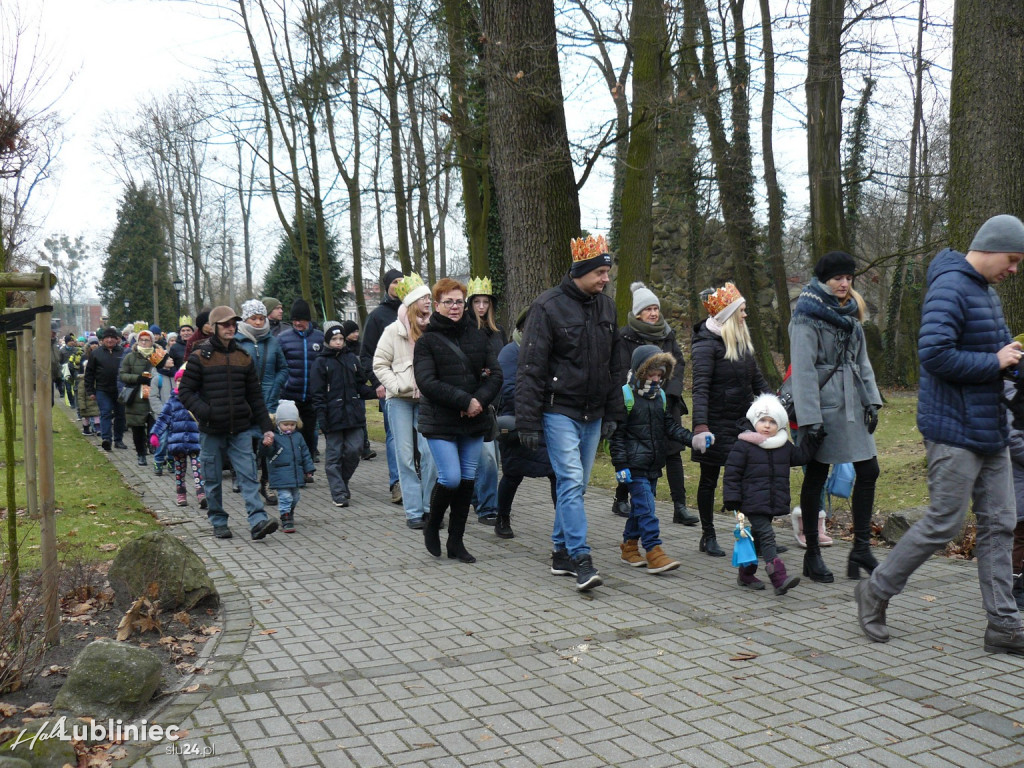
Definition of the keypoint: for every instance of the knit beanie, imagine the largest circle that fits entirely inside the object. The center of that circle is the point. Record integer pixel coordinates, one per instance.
(1000, 234)
(202, 319)
(643, 297)
(330, 333)
(270, 303)
(833, 264)
(287, 411)
(389, 277)
(348, 327)
(154, 329)
(588, 254)
(252, 308)
(111, 333)
(300, 310)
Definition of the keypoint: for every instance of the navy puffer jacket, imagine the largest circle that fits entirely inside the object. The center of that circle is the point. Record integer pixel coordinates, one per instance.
(339, 389)
(181, 428)
(301, 349)
(962, 328)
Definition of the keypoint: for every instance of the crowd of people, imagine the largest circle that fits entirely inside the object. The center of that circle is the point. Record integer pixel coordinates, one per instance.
(459, 399)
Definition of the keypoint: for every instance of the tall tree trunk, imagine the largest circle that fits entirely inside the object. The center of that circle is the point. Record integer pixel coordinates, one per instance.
(771, 182)
(824, 88)
(986, 126)
(391, 88)
(649, 41)
(532, 169)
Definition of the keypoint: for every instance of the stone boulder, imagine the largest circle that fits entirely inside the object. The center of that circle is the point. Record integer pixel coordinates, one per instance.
(47, 750)
(109, 680)
(159, 557)
(898, 523)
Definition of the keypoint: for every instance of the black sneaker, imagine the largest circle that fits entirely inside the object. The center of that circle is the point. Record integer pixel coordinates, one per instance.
(368, 454)
(562, 564)
(120, 444)
(587, 576)
(489, 519)
(417, 523)
(288, 523)
(264, 528)
(621, 508)
(86, 430)
(141, 460)
(221, 532)
(106, 445)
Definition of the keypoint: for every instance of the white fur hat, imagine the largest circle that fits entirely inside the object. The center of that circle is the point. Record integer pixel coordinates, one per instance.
(770, 406)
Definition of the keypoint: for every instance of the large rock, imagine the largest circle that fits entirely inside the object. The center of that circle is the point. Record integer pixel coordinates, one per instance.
(109, 680)
(46, 751)
(159, 557)
(898, 523)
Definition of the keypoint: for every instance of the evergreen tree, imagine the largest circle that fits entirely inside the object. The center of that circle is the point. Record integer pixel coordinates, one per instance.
(138, 239)
(282, 278)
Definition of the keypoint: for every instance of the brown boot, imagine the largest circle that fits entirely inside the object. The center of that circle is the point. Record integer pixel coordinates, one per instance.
(631, 553)
(659, 562)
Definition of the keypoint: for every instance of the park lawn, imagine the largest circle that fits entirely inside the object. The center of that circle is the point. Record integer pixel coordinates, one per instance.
(96, 510)
(901, 459)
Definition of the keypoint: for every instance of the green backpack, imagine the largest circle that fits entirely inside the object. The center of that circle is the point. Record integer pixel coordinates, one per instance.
(627, 396)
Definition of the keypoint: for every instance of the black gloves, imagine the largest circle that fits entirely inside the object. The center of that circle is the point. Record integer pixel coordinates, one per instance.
(871, 418)
(817, 433)
(608, 429)
(529, 439)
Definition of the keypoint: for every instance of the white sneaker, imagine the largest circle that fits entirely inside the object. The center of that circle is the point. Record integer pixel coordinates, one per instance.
(796, 517)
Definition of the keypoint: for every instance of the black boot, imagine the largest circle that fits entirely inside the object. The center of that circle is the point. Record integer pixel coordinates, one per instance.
(503, 526)
(457, 523)
(814, 566)
(440, 497)
(708, 540)
(861, 555)
(1018, 590)
(682, 515)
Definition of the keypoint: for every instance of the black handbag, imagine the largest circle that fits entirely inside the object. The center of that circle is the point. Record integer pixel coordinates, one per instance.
(127, 395)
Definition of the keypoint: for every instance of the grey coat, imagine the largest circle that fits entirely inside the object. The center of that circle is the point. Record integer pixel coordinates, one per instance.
(839, 405)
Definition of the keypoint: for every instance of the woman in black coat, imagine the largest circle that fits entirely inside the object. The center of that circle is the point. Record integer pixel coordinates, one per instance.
(457, 372)
(645, 325)
(726, 379)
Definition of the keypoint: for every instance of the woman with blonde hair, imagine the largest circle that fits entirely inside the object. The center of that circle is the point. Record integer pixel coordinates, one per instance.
(726, 379)
(834, 386)
(393, 367)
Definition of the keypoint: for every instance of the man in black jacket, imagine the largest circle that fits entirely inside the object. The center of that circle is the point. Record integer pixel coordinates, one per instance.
(101, 375)
(222, 391)
(384, 315)
(567, 387)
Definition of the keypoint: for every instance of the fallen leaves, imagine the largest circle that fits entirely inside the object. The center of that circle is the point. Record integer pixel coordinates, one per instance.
(743, 656)
(39, 709)
(142, 616)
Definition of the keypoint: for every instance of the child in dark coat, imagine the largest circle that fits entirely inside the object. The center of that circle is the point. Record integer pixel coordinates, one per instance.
(339, 385)
(757, 483)
(180, 432)
(288, 462)
(638, 450)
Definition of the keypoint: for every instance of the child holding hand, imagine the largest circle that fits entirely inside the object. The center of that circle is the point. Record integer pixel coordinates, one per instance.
(757, 483)
(180, 433)
(638, 454)
(288, 462)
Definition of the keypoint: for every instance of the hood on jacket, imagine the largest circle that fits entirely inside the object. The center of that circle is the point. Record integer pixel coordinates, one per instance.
(646, 358)
(767, 405)
(949, 260)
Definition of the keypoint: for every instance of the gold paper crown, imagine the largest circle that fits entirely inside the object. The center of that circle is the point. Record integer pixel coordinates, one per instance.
(480, 286)
(588, 247)
(716, 301)
(410, 281)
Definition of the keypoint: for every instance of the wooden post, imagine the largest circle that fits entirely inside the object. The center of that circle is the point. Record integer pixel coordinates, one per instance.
(47, 491)
(28, 422)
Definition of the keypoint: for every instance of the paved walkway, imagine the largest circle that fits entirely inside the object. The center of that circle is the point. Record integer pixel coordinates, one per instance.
(346, 644)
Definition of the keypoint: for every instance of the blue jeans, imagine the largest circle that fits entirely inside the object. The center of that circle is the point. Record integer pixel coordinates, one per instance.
(287, 500)
(161, 457)
(572, 446)
(642, 522)
(956, 476)
(455, 459)
(111, 412)
(404, 416)
(238, 448)
(389, 446)
(485, 491)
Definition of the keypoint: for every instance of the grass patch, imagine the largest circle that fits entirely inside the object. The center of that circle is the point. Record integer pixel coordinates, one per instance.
(96, 510)
(901, 459)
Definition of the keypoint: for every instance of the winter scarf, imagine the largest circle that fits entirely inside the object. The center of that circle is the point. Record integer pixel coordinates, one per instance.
(649, 332)
(816, 301)
(253, 333)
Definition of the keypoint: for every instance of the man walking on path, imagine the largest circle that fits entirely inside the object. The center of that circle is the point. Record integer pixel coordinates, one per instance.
(101, 376)
(965, 348)
(382, 316)
(222, 391)
(567, 386)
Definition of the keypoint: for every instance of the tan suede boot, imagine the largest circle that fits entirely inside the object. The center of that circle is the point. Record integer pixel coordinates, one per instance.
(631, 553)
(659, 562)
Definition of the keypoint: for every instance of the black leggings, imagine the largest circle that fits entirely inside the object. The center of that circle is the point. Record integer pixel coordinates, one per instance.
(861, 503)
(507, 487)
(706, 496)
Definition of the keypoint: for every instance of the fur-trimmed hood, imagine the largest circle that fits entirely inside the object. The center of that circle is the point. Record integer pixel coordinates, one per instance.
(648, 357)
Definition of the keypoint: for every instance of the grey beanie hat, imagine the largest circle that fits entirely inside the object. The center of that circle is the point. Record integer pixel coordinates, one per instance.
(1000, 234)
(287, 411)
(643, 297)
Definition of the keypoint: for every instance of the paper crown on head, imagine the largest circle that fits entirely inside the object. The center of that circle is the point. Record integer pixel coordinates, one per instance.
(584, 248)
(715, 301)
(480, 286)
(410, 281)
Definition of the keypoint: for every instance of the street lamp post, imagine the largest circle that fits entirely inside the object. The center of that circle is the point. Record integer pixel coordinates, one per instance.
(178, 285)
(127, 311)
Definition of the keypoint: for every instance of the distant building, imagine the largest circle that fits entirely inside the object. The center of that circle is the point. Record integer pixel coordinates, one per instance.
(79, 318)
